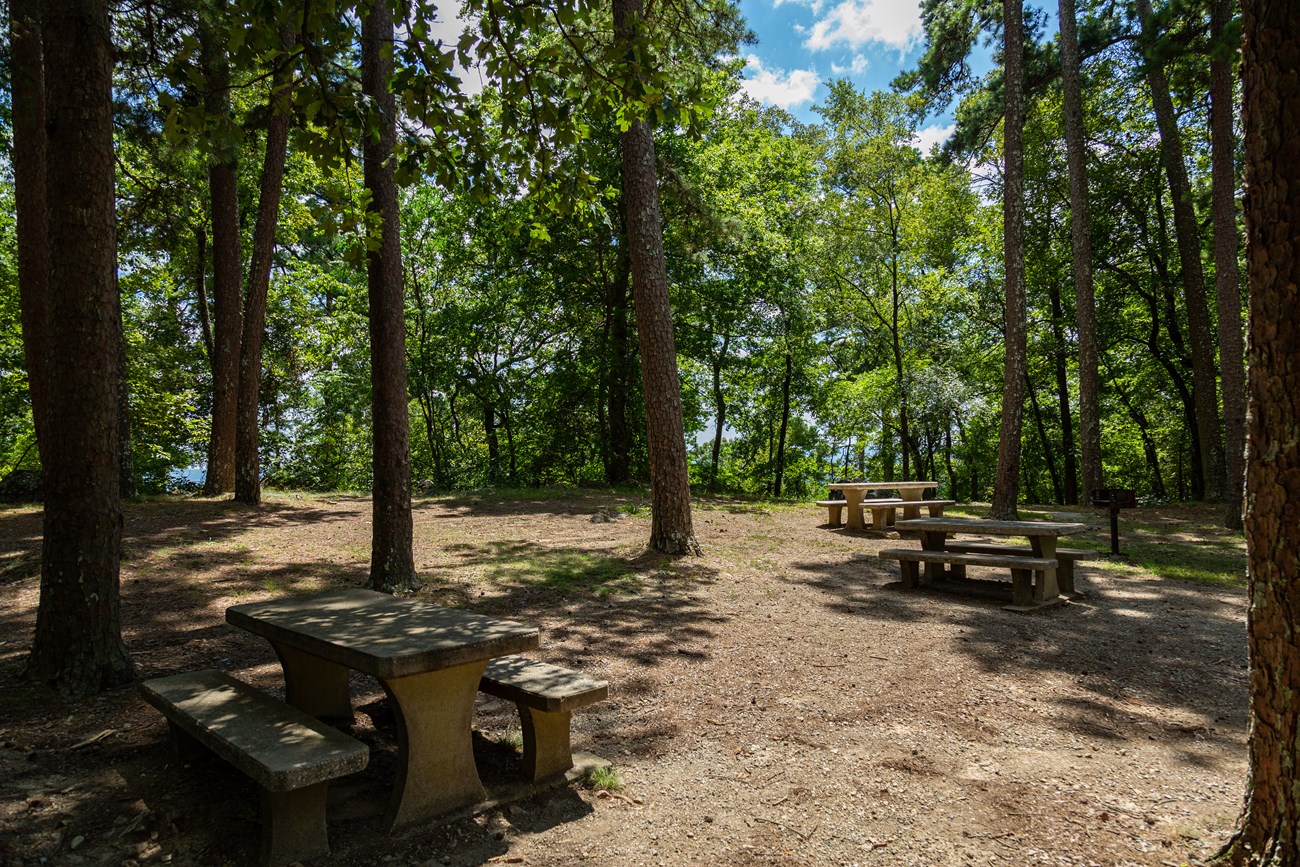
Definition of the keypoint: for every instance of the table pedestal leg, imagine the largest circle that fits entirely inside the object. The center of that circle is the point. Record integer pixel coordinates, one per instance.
(435, 770)
(933, 541)
(853, 501)
(313, 685)
(1045, 546)
(910, 512)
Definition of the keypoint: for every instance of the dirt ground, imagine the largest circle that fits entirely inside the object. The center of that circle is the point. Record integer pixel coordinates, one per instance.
(779, 700)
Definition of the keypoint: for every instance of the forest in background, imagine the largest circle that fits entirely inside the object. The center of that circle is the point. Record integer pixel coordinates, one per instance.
(838, 294)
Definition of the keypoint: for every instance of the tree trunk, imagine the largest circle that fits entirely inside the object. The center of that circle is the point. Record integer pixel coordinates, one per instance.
(1227, 279)
(1081, 242)
(619, 469)
(887, 446)
(1204, 378)
(720, 417)
(1013, 219)
(785, 423)
(78, 645)
(1148, 443)
(1048, 457)
(1070, 468)
(28, 107)
(248, 470)
(670, 489)
(201, 288)
(223, 185)
(1269, 828)
(392, 565)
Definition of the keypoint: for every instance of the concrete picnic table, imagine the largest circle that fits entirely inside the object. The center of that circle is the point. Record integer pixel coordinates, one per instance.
(429, 661)
(1042, 536)
(854, 491)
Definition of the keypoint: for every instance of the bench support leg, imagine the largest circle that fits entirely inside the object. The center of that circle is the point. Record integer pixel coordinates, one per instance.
(1065, 574)
(293, 825)
(911, 573)
(546, 742)
(314, 685)
(435, 751)
(1022, 587)
(185, 747)
(835, 515)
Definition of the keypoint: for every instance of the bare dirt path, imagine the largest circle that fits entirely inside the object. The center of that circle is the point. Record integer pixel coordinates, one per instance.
(779, 700)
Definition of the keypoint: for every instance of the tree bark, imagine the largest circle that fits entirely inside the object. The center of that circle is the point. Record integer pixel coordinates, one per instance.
(720, 415)
(78, 646)
(1005, 489)
(223, 185)
(248, 470)
(1081, 243)
(27, 57)
(670, 489)
(1269, 829)
(392, 564)
(1204, 378)
(785, 424)
(1227, 278)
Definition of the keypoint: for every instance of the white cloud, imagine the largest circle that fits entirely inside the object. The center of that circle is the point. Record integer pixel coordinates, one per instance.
(856, 66)
(778, 87)
(932, 135)
(814, 5)
(896, 23)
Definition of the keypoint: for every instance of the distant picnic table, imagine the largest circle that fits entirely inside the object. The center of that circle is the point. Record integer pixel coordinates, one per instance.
(1034, 572)
(908, 492)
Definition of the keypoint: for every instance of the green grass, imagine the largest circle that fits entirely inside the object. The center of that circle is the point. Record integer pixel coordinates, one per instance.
(1209, 562)
(563, 571)
(604, 777)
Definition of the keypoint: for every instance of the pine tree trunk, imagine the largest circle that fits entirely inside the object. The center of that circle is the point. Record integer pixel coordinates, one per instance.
(1081, 242)
(28, 118)
(78, 645)
(223, 185)
(670, 491)
(392, 564)
(1204, 377)
(618, 471)
(720, 413)
(1227, 278)
(1005, 485)
(248, 469)
(1070, 468)
(1269, 829)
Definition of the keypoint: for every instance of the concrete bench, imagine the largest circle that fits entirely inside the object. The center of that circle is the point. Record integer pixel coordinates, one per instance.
(290, 755)
(545, 696)
(1065, 558)
(835, 511)
(883, 512)
(1025, 591)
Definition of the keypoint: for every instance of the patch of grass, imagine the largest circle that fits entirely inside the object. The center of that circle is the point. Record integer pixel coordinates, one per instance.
(562, 570)
(1208, 563)
(604, 777)
(514, 738)
(270, 586)
(636, 510)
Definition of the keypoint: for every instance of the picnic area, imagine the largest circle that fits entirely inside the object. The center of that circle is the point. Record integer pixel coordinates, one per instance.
(782, 699)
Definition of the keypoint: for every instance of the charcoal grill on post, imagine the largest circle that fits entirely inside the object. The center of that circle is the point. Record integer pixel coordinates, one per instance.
(1114, 499)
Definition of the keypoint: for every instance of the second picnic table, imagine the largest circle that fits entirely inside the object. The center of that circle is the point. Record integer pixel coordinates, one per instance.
(429, 660)
(854, 492)
(1033, 572)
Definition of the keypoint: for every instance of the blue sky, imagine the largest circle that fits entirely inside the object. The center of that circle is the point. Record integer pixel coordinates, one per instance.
(804, 43)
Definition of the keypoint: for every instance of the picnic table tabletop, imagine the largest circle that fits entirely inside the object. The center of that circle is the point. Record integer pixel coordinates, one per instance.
(992, 528)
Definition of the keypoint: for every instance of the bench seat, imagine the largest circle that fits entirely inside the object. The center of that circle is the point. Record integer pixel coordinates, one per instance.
(290, 755)
(545, 696)
(1024, 590)
(883, 512)
(835, 511)
(1065, 556)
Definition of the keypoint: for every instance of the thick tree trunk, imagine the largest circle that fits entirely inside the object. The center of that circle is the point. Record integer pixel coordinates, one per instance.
(1227, 278)
(1204, 378)
(670, 489)
(1269, 830)
(223, 185)
(1081, 242)
(392, 565)
(1013, 218)
(248, 469)
(78, 645)
(27, 57)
